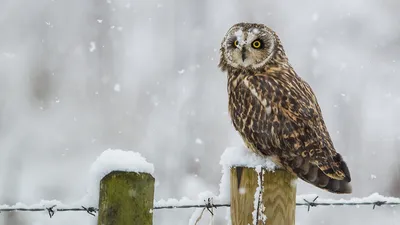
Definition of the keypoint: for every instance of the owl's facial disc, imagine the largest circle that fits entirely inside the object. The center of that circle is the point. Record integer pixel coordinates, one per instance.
(245, 48)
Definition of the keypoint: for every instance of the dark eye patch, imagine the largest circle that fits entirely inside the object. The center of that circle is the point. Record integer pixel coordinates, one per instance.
(265, 43)
(257, 44)
(231, 42)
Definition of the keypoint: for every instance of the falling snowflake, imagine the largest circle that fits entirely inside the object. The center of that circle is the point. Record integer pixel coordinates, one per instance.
(199, 141)
(92, 46)
(117, 87)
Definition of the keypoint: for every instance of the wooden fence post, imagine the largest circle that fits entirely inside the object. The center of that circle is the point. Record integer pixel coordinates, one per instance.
(126, 198)
(278, 196)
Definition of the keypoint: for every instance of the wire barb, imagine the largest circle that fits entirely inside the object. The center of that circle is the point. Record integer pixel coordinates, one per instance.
(311, 204)
(378, 203)
(91, 210)
(51, 211)
(209, 205)
(192, 206)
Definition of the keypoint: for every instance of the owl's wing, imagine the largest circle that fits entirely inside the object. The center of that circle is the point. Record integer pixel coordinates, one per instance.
(301, 128)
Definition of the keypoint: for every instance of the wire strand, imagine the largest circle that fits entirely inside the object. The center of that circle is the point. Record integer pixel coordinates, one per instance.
(207, 205)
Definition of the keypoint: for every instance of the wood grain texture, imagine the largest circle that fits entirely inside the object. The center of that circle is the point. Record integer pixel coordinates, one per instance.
(126, 198)
(278, 202)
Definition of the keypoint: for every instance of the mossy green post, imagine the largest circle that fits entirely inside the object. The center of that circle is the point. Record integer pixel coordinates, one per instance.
(126, 198)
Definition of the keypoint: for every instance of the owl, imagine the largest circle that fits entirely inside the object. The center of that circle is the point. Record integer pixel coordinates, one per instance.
(275, 111)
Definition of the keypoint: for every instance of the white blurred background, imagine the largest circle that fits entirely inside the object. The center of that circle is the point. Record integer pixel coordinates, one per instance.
(78, 77)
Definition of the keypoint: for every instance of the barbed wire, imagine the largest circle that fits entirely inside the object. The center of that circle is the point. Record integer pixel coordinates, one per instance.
(51, 210)
(208, 204)
(313, 203)
(306, 202)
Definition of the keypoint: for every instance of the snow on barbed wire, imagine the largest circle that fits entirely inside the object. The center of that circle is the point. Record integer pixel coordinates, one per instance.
(42, 204)
(309, 200)
(202, 199)
(368, 200)
(49, 206)
(208, 200)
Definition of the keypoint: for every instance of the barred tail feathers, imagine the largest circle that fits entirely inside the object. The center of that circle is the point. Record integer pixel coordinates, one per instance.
(333, 176)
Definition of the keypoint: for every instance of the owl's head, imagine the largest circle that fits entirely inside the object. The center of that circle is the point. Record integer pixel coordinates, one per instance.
(248, 46)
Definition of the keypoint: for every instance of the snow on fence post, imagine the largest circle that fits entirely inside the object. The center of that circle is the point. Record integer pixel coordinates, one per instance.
(259, 193)
(127, 189)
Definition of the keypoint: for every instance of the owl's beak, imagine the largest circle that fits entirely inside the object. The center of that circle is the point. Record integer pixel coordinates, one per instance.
(243, 53)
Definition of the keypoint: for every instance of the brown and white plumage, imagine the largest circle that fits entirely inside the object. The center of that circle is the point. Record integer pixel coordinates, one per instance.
(275, 111)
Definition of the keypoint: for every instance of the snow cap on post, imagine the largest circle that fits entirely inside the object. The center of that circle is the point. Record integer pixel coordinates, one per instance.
(114, 160)
(236, 157)
(241, 156)
(119, 160)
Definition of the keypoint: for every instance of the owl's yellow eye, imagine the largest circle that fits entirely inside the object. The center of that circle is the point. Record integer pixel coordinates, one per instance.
(236, 43)
(256, 44)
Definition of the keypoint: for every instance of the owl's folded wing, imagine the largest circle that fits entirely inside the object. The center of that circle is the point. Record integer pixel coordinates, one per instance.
(301, 128)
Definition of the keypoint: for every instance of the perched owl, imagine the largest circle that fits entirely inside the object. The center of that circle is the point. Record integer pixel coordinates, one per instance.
(275, 111)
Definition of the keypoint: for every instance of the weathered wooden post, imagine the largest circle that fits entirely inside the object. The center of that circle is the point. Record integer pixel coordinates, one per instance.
(126, 198)
(275, 193)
